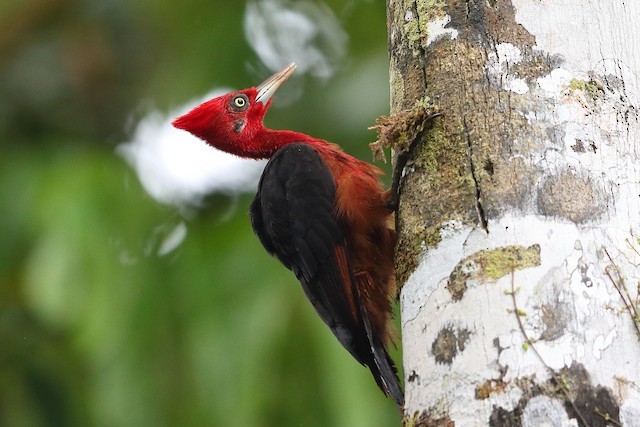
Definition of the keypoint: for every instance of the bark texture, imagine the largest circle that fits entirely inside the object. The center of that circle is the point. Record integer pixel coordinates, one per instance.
(519, 221)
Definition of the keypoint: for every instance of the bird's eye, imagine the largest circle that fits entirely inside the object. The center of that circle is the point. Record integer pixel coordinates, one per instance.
(240, 102)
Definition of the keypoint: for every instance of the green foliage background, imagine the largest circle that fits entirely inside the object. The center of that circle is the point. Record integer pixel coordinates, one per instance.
(96, 329)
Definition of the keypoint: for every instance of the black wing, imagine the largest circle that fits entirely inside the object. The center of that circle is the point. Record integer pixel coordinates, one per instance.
(293, 216)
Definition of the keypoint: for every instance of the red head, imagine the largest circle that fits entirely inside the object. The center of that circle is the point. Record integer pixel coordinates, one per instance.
(233, 122)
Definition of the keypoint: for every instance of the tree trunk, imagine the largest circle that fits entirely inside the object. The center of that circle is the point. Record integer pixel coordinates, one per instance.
(519, 220)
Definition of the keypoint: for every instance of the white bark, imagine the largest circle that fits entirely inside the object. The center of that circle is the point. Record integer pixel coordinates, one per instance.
(565, 248)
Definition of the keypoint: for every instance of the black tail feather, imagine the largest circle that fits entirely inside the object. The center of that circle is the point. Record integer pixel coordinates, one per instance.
(382, 366)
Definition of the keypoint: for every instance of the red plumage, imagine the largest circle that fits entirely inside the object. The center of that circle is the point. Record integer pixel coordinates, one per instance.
(322, 213)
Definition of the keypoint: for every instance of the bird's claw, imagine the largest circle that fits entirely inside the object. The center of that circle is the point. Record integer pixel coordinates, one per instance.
(401, 161)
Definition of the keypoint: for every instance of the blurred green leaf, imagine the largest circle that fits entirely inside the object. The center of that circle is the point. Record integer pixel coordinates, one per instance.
(97, 327)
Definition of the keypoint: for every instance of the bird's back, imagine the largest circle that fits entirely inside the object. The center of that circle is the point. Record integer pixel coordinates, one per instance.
(342, 257)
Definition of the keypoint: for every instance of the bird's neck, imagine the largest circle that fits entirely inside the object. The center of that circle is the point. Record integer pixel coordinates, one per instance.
(268, 141)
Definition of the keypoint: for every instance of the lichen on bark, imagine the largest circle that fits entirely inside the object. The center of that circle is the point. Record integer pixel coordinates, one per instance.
(476, 163)
(513, 162)
(491, 265)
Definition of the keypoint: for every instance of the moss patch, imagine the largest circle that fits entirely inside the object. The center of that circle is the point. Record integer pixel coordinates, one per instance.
(536, 64)
(399, 130)
(499, 262)
(492, 265)
(592, 88)
(417, 15)
(472, 165)
(425, 419)
(439, 187)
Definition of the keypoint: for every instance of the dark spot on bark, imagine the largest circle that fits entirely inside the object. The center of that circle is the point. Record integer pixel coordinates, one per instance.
(556, 60)
(556, 135)
(502, 27)
(613, 83)
(445, 347)
(573, 381)
(582, 146)
(457, 283)
(484, 390)
(492, 20)
(496, 344)
(572, 196)
(578, 147)
(584, 273)
(500, 417)
(463, 337)
(589, 397)
(555, 318)
(449, 343)
(537, 64)
(425, 419)
(488, 167)
(468, 15)
(413, 377)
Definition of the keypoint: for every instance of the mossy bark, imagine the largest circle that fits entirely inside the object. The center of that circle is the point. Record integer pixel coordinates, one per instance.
(499, 150)
(462, 170)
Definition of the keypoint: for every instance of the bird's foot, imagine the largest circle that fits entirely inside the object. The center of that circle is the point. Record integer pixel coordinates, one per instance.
(401, 161)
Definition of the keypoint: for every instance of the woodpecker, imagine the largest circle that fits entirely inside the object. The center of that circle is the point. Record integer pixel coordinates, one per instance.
(322, 213)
